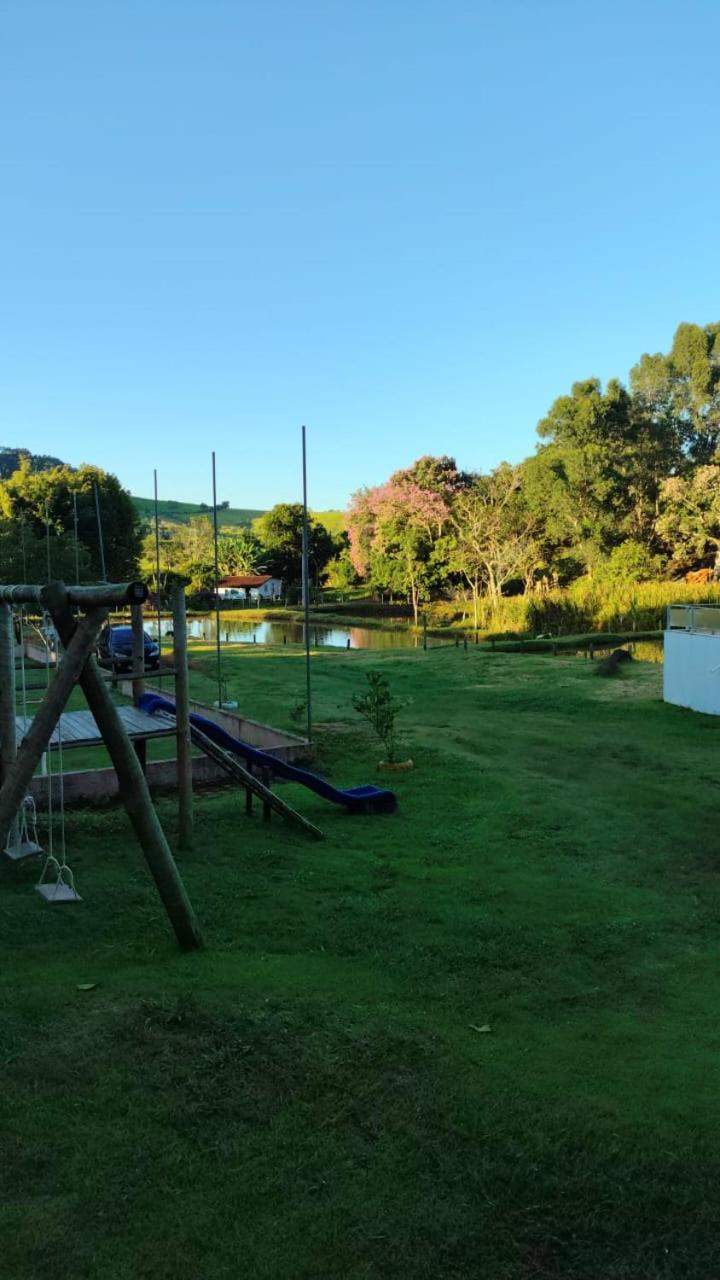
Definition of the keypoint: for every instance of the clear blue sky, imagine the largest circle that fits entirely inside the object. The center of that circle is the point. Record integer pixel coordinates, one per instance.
(410, 225)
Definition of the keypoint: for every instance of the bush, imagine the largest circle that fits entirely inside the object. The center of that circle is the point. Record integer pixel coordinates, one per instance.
(380, 709)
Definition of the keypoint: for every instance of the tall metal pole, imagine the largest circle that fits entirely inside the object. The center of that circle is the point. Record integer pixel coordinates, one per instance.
(77, 549)
(8, 710)
(217, 596)
(306, 591)
(157, 569)
(100, 534)
(182, 720)
(47, 540)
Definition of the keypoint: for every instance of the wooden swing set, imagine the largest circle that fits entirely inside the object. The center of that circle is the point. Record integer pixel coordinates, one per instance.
(77, 665)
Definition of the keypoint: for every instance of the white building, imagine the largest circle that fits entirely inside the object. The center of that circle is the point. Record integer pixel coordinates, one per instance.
(258, 586)
(691, 670)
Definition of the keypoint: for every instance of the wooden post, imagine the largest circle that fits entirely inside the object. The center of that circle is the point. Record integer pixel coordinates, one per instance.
(8, 730)
(140, 749)
(182, 719)
(17, 780)
(424, 631)
(132, 784)
(267, 812)
(138, 653)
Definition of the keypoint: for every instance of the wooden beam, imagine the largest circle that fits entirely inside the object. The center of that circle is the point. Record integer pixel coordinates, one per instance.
(253, 786)
(104, 594)
(133, 787)
(182, 719)
(17, 777)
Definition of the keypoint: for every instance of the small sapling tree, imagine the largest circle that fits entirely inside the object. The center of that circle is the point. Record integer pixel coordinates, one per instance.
(378, 706)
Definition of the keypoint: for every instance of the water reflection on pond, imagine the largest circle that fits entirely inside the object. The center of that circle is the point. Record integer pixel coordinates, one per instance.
(330, 635)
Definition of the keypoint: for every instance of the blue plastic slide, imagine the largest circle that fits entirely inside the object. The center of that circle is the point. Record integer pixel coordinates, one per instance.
(358, 799)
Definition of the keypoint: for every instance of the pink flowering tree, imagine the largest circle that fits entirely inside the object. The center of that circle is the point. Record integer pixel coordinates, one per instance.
(396, 531)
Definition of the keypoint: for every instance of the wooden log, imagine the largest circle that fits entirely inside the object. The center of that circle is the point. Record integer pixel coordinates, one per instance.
(182, 720)
(232, 766)
(133, 787)
(267, 811)
(35, 743)
(102, 595)
(140, 749)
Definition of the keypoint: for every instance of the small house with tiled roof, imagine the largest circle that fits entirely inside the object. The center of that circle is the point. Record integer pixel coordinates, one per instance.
(259, 586)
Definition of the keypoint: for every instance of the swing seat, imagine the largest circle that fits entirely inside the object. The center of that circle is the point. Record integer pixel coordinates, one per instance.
(58, 892)
(23, 849)
(62, 887)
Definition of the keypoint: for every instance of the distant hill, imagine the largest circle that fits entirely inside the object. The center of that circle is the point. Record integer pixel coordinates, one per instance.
(334, 521)
(10, 461)
(172, 512)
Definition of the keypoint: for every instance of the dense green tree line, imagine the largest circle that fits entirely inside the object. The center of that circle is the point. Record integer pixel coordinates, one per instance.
(624, 486)
(39, 508)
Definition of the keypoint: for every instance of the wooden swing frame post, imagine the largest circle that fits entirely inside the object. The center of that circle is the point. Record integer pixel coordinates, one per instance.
(58, 600)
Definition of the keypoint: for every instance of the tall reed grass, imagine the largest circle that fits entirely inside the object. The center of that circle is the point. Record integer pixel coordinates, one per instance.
(583, 607)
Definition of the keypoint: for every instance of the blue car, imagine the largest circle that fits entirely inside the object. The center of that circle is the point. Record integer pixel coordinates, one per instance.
(115, 649)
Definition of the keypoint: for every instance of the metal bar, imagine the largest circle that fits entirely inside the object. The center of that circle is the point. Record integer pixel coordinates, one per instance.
(138, 653)
(182, 720)
(101, 545)
(77, 548)
(306, 592)
(157, 568)
(47, 540)
(102, 595)
(8, 723)
(217, 595)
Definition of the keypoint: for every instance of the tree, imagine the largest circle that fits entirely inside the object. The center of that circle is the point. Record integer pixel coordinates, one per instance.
(281, 533)
(690, 519)
(396, 533)
(240, 552)
(682, 390)
(598, 478)
(11, 459)
(440, 476)
(24, 555)
(630, 562)
(186, 550)
(494, 534)
(34, 496)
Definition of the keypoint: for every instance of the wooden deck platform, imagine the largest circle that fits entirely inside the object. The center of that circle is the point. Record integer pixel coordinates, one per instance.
(79, 729)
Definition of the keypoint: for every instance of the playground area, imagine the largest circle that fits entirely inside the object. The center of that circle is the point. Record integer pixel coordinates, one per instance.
(476, 1035)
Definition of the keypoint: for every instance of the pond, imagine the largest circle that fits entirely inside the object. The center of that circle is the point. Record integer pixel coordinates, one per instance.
(322, 635)
(334, 635)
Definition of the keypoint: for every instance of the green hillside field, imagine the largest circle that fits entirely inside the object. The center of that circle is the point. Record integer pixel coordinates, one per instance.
(172, 512)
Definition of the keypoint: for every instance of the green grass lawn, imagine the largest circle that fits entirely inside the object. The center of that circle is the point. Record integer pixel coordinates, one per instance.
(475, 1038)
